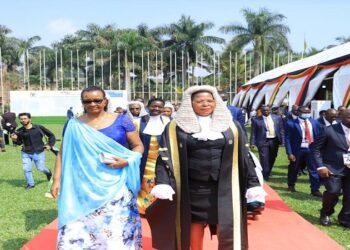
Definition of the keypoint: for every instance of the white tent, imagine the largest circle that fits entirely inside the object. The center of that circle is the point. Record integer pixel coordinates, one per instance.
(341, 83)
(235, 101)
(266, 92)
(322, 57)
(249, 97)
(315, 84)
(290, 86)
(239, 97)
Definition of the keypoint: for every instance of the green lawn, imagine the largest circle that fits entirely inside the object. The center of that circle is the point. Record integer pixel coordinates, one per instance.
(25, 213)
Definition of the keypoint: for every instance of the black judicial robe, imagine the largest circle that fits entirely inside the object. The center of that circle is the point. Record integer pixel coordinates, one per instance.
(170, 226)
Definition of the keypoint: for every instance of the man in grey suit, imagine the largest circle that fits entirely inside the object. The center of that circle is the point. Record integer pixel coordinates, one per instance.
(331, 151)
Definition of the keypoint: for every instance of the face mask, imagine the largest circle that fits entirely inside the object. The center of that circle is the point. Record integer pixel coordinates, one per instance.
(305, 116)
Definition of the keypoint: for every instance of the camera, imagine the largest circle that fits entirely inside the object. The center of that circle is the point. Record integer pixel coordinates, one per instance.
(10, 129)
(54, 150)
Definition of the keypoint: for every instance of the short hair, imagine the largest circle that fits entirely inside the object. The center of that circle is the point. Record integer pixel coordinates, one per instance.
(264, 106)
(95, 88)
(155, 99)
(302, 107)
(25, 114)
(328, 111)
(322, 111)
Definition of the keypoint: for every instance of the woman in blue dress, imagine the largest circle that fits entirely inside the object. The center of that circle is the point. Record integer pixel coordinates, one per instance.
(97, 198)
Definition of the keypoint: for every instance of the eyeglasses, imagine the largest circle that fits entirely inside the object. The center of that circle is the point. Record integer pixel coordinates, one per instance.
(96, 101)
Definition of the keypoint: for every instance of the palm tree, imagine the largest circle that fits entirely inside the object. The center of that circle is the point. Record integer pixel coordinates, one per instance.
(4, 31)
(188, 36)
(264, 30)
(342, 39)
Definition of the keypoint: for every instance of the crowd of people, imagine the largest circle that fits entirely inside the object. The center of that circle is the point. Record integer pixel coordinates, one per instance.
(181, 167)
(322, 146)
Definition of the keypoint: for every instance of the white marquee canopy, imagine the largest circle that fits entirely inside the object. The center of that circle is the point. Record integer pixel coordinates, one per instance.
(322, 57)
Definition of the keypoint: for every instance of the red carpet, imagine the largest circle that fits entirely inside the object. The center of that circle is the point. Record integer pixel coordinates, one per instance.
(277, 228)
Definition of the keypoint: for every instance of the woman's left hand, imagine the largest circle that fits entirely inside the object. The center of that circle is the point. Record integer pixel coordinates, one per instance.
(119, 162)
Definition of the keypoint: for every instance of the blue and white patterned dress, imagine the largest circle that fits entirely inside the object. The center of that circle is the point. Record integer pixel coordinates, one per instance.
(116, 225)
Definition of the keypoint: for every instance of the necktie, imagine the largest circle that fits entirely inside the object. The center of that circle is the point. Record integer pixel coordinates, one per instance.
(307, 132)
(270, 126)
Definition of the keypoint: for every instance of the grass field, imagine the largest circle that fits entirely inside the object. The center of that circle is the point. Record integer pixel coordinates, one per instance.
(24, 213)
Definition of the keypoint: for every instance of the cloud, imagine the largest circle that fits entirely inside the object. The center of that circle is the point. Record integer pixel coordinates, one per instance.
(61, 27)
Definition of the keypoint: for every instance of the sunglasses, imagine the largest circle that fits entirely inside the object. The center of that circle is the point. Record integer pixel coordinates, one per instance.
(96, 101)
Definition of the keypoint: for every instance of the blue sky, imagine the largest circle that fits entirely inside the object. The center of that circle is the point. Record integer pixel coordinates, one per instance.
(319, 21)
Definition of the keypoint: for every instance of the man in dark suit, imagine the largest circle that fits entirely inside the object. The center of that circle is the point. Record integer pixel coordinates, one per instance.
(329, 118)
(331, 153)
(267, 133)
(321, 115)
(235, 111)
(340, 111)
(300, 135)
(9, 124)
(292, 115)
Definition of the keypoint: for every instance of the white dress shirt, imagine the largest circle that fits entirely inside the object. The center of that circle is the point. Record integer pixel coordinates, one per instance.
(267, 126)
(302, 126)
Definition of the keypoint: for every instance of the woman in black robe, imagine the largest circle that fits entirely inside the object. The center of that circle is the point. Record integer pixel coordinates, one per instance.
(204, 159)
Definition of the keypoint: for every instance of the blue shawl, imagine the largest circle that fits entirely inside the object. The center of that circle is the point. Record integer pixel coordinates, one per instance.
(86, 183)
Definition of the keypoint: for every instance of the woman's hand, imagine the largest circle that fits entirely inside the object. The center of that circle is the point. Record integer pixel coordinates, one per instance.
(55, 188)
(119, 162)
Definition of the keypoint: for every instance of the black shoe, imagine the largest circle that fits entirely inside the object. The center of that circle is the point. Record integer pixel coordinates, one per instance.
(325, 220)
(344, 225)
(48, 176)
(255, 206)
(316, 194)
(29, 186)
(291, 189)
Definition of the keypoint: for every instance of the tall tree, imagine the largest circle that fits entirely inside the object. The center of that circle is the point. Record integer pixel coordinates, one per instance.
(263, 30)
(342, 39)
(188, 36)
(4, 31)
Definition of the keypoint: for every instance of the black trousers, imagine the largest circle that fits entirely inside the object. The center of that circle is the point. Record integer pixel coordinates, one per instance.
(334, 184)
(267, 156)
(6, 137)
